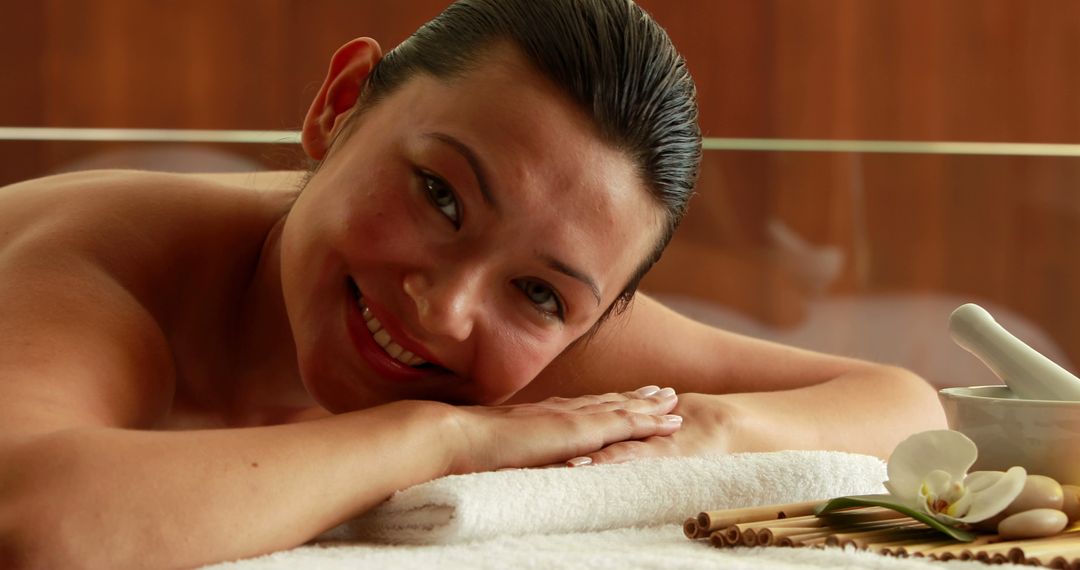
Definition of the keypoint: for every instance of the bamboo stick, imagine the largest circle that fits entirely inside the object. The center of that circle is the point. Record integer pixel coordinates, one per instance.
(715, 520)
(809, 538)
(871, 526)
(1019, 550)
(866, 528)
(805, 521)
(956, 547)
(769, 536)
(797, 539)
(830, 539)
(1057, 548)
(690, 528)
(865, 540)
(717, 539)
(860, 515)
(900, 549)
(732, 535)
(844, 521)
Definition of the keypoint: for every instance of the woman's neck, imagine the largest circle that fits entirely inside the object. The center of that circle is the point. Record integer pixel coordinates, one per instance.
(266, 387)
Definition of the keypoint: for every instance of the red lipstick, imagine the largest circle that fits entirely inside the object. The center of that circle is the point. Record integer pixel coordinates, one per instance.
(371, 352)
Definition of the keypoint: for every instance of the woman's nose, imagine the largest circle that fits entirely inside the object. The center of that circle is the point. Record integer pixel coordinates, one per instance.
(445, 303)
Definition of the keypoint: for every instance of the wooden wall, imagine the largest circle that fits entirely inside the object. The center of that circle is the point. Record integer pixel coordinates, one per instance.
(995, 228)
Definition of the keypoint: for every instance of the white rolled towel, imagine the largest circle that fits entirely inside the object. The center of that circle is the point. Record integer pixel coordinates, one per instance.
(646, 492)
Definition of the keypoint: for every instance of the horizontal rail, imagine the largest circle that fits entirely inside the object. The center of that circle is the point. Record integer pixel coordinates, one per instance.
(732, 144)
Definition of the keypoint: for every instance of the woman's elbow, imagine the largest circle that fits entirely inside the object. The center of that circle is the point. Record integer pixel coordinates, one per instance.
(915, 395)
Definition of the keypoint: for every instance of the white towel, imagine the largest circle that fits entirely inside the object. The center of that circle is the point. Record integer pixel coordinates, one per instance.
(653, 548)
(648, 492)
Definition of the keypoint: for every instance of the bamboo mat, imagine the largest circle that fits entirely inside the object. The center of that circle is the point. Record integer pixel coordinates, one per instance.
(876, 530)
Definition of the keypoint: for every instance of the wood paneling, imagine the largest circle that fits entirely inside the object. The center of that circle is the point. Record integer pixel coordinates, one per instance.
(997, 228)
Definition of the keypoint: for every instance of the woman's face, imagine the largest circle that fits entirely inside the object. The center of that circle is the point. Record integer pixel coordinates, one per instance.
(460, 234)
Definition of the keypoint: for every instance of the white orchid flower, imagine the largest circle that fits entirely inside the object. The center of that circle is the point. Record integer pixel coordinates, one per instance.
(928, 472)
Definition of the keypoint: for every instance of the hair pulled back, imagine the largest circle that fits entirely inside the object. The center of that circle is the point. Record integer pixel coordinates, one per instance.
(609, 56)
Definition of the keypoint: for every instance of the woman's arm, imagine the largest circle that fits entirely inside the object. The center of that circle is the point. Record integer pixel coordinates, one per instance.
(743, 394)
(108, 497)
(116, 498)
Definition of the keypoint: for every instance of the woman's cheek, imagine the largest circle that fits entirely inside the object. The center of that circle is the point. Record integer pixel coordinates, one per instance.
(519, 362)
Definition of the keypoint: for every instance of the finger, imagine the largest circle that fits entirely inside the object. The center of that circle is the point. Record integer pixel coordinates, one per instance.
(660, 402)
(590, 433)
(599, 399)
(540, 438)
(621, 425)
(624, 451)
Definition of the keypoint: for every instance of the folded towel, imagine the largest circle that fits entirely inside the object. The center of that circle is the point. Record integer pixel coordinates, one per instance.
(647, 492)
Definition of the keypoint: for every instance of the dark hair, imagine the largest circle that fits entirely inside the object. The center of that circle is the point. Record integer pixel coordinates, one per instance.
(609, 56)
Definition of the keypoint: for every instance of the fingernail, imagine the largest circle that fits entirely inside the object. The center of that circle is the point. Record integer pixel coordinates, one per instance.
(579, 461)
(647, 391)
(666, 392)
(672, 419)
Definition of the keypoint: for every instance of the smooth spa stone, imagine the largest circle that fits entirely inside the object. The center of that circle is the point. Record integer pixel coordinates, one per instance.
(1039, 492)
(1071, 505)
(1035, 523)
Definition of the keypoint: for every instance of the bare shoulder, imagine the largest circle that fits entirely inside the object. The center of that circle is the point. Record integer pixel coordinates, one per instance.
(88, 262)
(81, 197)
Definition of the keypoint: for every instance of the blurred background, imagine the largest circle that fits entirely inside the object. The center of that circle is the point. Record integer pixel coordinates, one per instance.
(860, 253)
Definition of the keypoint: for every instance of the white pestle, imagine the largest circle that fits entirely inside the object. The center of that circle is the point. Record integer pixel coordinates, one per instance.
(1028, 374)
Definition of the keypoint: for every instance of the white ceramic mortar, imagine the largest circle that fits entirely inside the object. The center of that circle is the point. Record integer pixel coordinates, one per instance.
(1043, 436)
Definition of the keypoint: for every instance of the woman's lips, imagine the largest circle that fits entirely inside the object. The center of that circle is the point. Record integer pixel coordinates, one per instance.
(370, 351)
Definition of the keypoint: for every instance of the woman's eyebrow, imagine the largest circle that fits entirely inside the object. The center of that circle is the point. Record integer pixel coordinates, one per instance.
(485, 190)
(474, 162)
(576, 274)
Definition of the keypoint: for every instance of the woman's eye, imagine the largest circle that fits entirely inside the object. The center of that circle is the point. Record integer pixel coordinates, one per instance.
(442, 197)
(542, 297)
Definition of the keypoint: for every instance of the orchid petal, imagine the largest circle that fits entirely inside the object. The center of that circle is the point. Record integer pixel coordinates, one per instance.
(962, 505)
(920, 454)
(991, 500)
(978, 480)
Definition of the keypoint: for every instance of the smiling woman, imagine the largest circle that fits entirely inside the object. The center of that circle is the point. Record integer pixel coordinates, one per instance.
(485, 199)
(507, 236)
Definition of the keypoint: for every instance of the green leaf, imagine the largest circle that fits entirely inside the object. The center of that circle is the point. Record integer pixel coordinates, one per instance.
(888, 502)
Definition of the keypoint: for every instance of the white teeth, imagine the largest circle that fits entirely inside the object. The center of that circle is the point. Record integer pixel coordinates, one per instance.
(383, 339)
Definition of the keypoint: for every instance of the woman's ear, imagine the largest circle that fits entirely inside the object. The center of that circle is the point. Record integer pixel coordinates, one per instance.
(349, 69)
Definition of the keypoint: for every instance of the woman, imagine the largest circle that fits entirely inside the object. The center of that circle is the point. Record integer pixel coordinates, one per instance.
(202, 368)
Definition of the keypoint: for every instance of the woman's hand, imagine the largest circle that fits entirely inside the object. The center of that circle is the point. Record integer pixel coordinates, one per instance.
(705, 430)
(557, 429)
